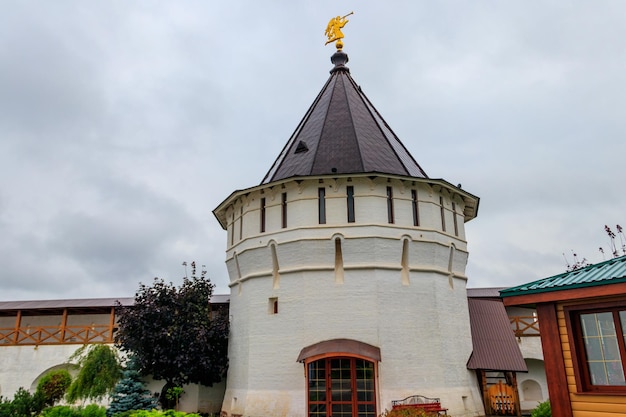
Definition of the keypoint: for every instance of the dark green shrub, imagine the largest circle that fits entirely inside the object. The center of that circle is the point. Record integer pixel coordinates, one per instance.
(25, 404)
(52, 386)
(542, 410)
(6, 407)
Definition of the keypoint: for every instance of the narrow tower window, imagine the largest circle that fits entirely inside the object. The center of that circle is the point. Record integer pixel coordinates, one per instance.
(416, 210)
(275, 267)
(272, 305)
(443, 214)
(283, 205)
(390, 218)
(232, 228)
(405, 262)
(321, 204)
(338, 262)
(262, 215)
(240, 222)
(350, 200)
(456, 225)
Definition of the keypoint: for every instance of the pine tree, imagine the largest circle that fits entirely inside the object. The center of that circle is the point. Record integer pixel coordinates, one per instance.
(130, 393)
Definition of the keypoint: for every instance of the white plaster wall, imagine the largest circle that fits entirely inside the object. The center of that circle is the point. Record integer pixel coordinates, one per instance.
(20, 366)
(530, 347)
(371, 305)
(537, 373)
(196, 398)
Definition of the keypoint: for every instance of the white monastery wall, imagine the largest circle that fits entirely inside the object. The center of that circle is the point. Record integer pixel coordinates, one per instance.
(22, 366)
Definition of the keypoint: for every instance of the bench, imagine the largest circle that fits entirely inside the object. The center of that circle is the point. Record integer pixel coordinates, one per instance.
(428, 405)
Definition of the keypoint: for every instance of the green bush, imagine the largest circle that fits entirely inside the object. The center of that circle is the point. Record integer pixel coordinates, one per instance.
(60, 411)
(6, 407)
(91, 410)
(52, 386)
(24, 404)
(542, 410)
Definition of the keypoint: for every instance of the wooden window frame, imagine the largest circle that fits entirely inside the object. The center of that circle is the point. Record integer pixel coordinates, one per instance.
(353, 358)
(577, 346)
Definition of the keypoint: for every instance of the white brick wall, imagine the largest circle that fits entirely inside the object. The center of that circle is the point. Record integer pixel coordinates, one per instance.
(422, 329)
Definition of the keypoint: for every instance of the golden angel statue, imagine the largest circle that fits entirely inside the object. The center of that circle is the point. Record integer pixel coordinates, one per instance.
(333, 30)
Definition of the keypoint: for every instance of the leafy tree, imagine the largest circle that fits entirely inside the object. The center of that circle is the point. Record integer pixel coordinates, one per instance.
(173, 333)
(53, 385)
(99, 372)
(24, 404)
(130, 393)
(173, 394)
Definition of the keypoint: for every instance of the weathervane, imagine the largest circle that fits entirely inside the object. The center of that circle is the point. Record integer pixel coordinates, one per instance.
(333, 30)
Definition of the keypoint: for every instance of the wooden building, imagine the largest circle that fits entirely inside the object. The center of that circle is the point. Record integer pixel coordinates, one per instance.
(582, 314)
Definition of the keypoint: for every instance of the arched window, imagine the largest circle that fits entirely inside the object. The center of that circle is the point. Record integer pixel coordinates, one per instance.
(341, 378)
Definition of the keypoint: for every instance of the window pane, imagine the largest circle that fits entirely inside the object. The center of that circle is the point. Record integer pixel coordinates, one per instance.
(317, 381)
(317, 410)
(603, 356)
(598, 374)
(364, 380)
(588, 322)
(342, 410)
(341, 380)
(367, 410)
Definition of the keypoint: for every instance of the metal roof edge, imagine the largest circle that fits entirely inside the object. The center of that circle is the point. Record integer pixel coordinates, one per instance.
(524, 289)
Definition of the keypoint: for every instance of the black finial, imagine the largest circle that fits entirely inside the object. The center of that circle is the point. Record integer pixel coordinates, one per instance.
(340, 59)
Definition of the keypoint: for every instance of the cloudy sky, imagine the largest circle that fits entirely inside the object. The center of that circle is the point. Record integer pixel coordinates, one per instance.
(123, 124)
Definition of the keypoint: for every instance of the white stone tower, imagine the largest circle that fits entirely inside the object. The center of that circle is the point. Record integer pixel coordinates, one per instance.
(347, 272)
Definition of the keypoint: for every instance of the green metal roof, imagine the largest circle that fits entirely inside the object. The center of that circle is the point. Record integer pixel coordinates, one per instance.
(612, 271)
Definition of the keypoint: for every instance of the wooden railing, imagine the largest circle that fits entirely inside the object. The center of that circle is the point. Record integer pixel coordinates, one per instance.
(57, 335)
(525, 326)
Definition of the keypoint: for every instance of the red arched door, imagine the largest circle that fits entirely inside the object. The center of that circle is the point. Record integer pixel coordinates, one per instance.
(341, 387)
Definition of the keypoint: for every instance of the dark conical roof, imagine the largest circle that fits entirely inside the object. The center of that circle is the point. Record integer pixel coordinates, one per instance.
(342, 133)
